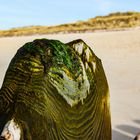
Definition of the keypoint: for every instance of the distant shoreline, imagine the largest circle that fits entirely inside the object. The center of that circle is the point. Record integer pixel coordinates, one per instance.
(74, 32)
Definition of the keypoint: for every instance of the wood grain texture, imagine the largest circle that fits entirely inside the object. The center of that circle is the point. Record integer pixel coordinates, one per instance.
(56, 91)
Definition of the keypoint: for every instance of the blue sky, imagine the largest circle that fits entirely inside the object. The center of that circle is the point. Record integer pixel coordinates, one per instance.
(18, 13)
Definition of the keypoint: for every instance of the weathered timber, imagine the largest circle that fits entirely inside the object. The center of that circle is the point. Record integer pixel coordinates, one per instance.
(55, 91)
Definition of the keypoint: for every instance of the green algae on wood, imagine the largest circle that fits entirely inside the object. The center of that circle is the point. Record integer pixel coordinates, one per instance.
(56, 91)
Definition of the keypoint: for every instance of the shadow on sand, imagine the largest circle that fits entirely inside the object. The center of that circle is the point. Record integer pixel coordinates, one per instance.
(121, 131)
(116, 135)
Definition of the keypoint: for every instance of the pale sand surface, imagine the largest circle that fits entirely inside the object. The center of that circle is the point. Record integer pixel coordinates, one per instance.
(120, 54)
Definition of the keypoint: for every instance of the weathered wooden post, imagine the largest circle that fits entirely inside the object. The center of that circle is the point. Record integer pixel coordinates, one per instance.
(55, 91)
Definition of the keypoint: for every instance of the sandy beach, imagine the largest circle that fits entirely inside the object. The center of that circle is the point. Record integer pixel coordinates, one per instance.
(120, 55)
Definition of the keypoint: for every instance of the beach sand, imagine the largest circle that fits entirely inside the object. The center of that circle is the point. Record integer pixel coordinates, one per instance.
(120, 55)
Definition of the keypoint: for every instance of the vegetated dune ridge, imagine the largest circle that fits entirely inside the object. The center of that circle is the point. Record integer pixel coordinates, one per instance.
(114, 21)
(120, 53)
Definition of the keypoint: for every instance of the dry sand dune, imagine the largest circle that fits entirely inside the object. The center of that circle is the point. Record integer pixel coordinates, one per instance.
(120, 54)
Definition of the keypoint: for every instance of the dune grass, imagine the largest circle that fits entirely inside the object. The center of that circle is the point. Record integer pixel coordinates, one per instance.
(113, 21)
